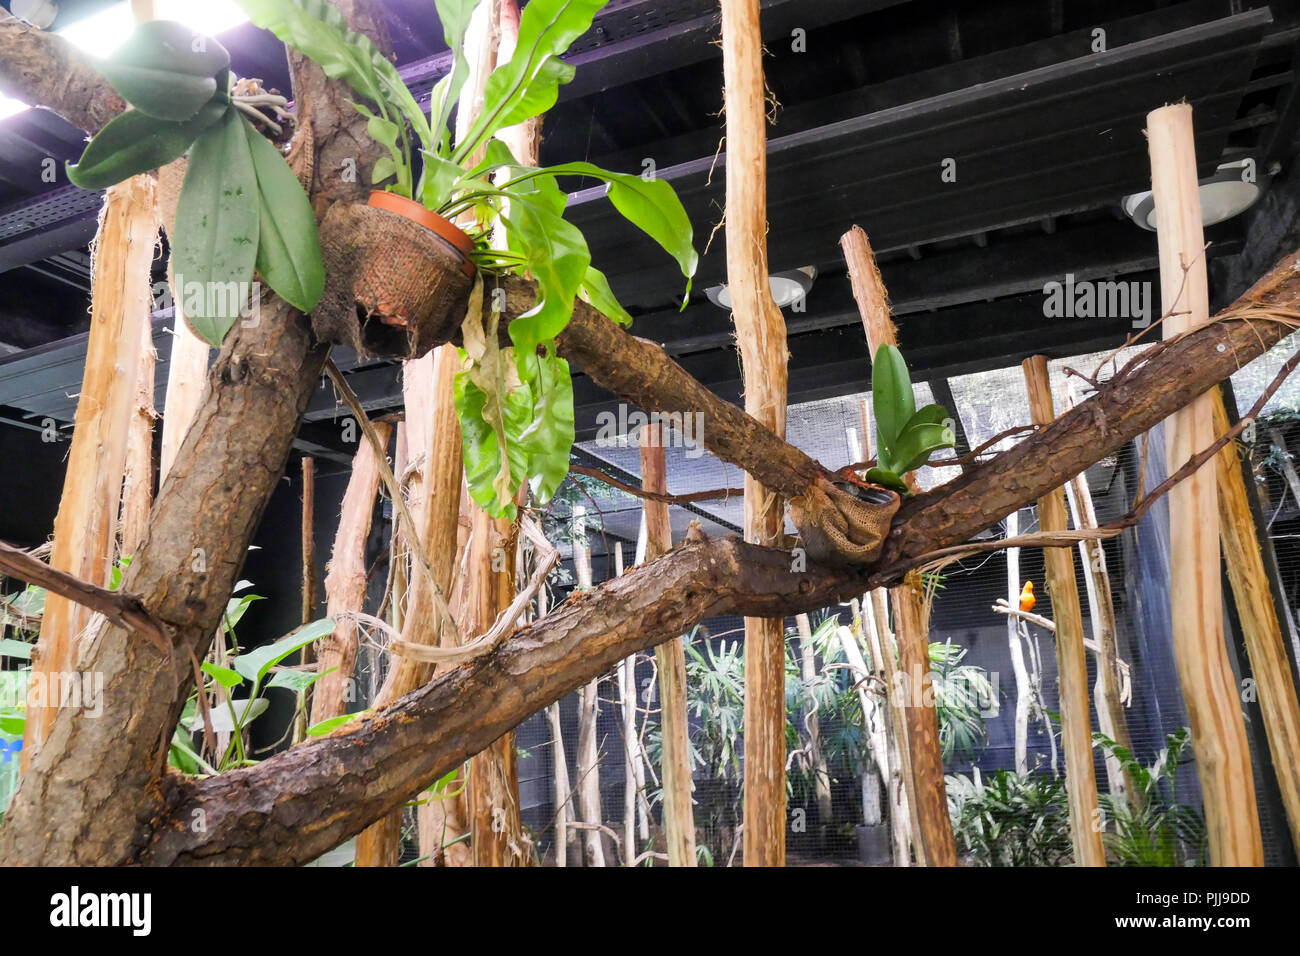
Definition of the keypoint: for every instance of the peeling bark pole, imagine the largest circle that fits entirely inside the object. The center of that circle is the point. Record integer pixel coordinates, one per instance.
(670, 661)
(588, 769)
(760, 333)
(85, 529)
(187, 372)
(434, 445)
(902, 801)
(345, 585)
(204, 516)
(1071, 658)
(1111, 717)
(563, 793)
(932, 838)
(1196, 590)
(821, 774)
(1259, 624)
(137, 479)
(1017, 649)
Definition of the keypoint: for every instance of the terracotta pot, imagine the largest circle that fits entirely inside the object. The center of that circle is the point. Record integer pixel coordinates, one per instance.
(413, 281)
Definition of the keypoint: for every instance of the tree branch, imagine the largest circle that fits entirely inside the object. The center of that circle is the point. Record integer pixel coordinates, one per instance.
(125, 610)
(44, 69)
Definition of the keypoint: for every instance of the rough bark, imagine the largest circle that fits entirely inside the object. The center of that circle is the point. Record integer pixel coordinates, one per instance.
(44, 69)
(202, 524)
(1071, 658)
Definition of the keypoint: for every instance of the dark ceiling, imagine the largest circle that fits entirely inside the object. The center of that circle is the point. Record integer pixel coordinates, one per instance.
(1046, 134)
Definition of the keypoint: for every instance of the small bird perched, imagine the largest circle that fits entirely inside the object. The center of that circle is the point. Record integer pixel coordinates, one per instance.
(1027, 599)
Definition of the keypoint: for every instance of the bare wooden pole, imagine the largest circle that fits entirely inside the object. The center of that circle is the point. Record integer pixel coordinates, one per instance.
(1259, 623)
(1016, 648)
(760, 333)
(817, 759)
(932, 835)
(588, 710)
(562, 791)
(670, 660)
(1108, 691)
(345, 584)
(137, 481)
(903, 822)
(85, 529)
(309, 591)
(1196, 591)
(1071, 657)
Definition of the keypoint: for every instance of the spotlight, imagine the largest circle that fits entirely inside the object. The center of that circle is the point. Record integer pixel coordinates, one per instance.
(1233, 189)
(787, 287)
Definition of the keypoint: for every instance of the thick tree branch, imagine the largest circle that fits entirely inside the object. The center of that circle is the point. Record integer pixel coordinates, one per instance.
(125, 610)
(44, 69)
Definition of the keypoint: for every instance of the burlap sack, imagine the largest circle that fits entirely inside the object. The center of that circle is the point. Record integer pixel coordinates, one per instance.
(842, 523)
(392, 288)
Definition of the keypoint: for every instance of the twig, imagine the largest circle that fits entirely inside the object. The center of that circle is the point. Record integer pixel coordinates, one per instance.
(395, 493)
(655, 495)
(125, 610)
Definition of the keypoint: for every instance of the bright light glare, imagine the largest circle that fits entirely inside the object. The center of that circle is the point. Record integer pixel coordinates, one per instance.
(103, 32)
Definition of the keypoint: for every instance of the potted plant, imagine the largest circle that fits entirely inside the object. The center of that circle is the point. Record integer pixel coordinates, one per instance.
(515, 403)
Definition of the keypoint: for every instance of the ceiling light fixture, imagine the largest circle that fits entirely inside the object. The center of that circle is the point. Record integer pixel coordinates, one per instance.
(39, 13)
(787, 287)
(1233, 189)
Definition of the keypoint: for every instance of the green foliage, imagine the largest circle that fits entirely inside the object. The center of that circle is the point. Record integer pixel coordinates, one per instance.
(1155, 830)
(1011, 819)
(905, 436)
(241, 207)
(962, 692)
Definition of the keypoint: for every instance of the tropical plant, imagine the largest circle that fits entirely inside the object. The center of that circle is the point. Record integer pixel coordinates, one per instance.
(515, 404)
(962, 693)
(241, 207)
(1156, 829)
(1011, 819)
(905, 436)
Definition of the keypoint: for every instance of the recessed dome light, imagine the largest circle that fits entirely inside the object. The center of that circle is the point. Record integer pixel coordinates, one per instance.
(787, 287)
(1233, 189)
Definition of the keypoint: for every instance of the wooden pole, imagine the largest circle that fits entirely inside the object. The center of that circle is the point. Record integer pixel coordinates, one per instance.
(1196, 593)
(137, 481)
(760, 333)
(1259, 622)
(308, 532)
(932, 835)
(903, 821)
(1111, 717)
(588, 712)
(1016, 649)
(345, 584)
(85, 529)
(821, 773)
(1071, 657)
(670, 661)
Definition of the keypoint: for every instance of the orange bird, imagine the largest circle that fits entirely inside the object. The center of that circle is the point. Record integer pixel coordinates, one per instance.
(1027, 599)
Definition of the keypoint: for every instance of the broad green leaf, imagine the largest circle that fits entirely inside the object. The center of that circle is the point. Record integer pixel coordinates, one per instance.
(651, 205)
(557, 257)
(438, 179)
(549, 439)
(256, 663)
(162, 94)
(388, 134)
(17, 649)
(325, 726)
(454, 16)
(135, 143)
(217, 229)
(928, 415)
(168, 45)
(916, 444)
(223, 675)
(885, 477)
(245, 711)
(546, 29)
(597, 293)
(289, 255)
(30, 601)
(296, 681)
(482, 448)
(541, 94)
(892, 400)
(235, 609)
